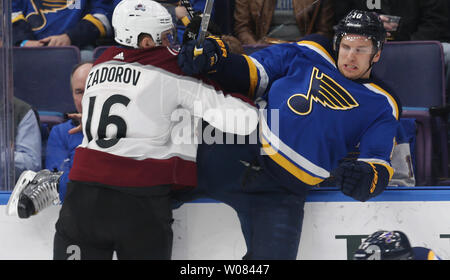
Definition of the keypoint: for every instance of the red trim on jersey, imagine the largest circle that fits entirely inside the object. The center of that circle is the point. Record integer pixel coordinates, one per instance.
(99, 167)
(160, 57)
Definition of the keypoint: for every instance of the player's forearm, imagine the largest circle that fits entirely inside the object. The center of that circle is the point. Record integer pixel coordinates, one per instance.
(236, 74)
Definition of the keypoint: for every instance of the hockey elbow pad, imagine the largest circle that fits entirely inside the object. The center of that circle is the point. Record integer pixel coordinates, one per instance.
(361, 180)
(214, 51)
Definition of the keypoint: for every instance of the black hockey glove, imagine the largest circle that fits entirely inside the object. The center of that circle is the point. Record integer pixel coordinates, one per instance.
(361, 180)
(214, 51)
(193, 27)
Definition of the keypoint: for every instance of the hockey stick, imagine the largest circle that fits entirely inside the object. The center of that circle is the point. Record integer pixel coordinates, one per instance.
(188, 6)
(203, 27)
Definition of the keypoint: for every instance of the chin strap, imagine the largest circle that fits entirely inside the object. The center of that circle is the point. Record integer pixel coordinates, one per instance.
(371, 64)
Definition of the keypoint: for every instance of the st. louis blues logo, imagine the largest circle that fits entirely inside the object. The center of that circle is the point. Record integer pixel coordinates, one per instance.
(38, 18)
(323, 90)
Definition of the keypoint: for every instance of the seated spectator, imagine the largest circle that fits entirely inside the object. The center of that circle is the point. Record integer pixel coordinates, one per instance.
(61, 145)
(446, 48)
(48, 23)
(264, 21)
(27, 146)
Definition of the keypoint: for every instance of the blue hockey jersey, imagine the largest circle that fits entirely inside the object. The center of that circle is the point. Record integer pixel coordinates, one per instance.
(314, 115)
(83, 20)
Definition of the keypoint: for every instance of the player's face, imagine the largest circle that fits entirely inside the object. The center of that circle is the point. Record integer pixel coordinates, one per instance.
(78, 84)
(167, 40)
(355, 56)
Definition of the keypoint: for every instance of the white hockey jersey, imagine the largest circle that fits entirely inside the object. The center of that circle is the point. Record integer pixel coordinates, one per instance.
(139, 120)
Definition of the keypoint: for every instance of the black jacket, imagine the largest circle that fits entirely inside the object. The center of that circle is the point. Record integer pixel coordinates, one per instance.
(420, 19)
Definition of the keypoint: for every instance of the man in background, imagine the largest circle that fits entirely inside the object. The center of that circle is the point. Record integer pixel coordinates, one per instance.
(61, 144)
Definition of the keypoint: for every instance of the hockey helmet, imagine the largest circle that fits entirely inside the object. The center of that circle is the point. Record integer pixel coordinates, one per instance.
(132, 18)
(361, 23)
(385, 245)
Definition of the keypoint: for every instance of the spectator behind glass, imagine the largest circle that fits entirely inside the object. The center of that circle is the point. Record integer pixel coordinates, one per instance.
(27, 150)
(74, 22)
(446, 48)
(61, 145)
(270, 21)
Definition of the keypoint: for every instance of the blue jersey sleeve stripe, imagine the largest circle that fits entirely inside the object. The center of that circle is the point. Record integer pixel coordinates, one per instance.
(375, 88)
(319, 49)
(105, 21)
(253, 74)
(263, 78)
(17, 16)
(97, 24)
(291, 160)
(289, 166)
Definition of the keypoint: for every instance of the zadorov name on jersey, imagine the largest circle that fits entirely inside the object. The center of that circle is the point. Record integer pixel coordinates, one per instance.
(114, 74)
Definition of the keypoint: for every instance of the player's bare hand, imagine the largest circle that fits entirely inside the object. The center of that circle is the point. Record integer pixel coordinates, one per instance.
(77, 117)
(180, 12)
(389, 25)
(57, 40)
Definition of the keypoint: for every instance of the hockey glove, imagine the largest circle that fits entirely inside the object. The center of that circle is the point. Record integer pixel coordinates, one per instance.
(361, 180)
(193, 27)
(214, 52)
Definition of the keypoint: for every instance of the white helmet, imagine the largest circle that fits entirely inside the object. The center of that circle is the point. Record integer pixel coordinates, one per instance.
(134, 17)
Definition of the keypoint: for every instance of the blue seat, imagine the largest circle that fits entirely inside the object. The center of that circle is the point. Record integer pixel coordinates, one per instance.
(414, 70)
(98, 51)
(42, 77)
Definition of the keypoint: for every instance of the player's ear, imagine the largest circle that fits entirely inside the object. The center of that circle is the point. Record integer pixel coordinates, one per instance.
(377, 56)
(146, 41)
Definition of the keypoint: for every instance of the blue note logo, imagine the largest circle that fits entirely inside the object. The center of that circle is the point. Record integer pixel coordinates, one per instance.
(323, 90)
(38, 19)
